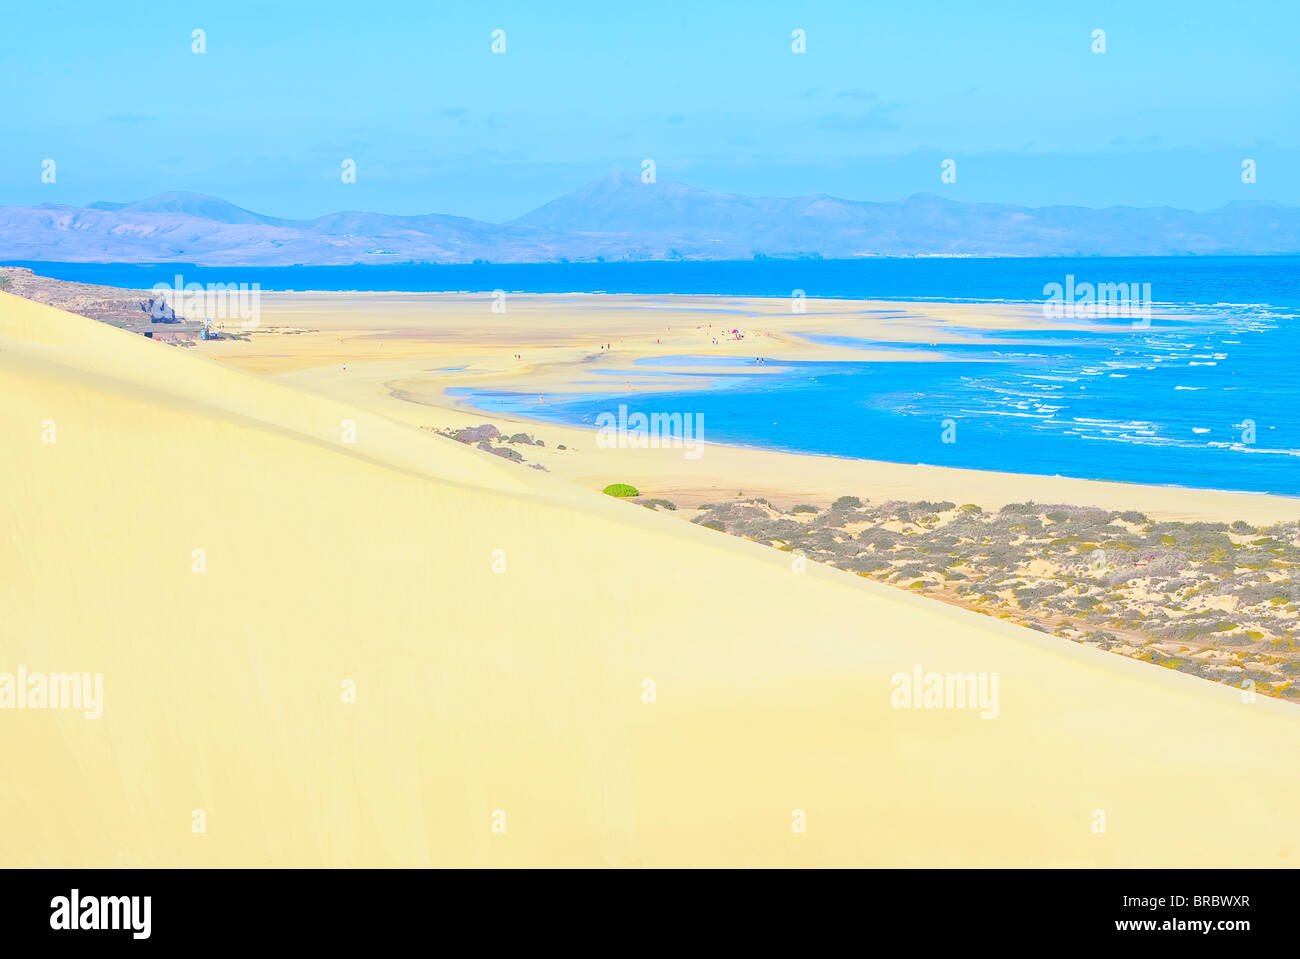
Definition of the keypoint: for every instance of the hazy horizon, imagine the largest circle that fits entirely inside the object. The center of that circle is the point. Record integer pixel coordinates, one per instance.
(110, 204)
(435, 121)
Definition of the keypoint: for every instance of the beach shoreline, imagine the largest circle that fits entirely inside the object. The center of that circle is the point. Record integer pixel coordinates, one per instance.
(401, 354)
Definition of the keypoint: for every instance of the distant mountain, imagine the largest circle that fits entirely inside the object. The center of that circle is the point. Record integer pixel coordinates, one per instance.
(621, 218)
(190, 204)
(697, 222)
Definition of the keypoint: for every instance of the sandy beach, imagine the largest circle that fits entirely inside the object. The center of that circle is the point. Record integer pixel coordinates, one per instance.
(345, 640)
(403, 351)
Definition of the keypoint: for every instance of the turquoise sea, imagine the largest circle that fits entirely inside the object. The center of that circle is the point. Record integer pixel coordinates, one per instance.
(1207, 398)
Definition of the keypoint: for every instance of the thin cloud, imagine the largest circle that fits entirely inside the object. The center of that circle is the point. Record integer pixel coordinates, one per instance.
(879, 117)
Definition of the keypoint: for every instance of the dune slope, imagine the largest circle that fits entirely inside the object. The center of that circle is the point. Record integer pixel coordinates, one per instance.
(499, 626)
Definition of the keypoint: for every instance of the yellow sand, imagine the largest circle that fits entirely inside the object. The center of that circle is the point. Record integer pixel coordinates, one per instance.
(521, 690)
(402, 350)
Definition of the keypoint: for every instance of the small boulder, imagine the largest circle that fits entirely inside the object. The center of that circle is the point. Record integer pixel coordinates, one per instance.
(476, 434)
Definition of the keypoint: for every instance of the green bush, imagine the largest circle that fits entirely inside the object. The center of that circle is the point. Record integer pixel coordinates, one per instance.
(621, 490)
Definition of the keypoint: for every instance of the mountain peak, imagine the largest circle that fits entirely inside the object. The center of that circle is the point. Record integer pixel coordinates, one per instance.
(620, 216)
(188, 204)
(623, 202)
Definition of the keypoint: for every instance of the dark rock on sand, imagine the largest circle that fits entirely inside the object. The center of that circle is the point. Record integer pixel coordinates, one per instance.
(476, 434)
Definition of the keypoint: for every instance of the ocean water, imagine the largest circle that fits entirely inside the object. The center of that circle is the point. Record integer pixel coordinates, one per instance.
(1208, 402)
(1209, 397)
(1272, 280)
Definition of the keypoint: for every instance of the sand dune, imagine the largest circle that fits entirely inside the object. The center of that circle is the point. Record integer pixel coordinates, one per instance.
(522, 690)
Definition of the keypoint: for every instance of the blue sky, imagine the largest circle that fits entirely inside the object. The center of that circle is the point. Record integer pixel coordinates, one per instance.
(712, 92)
